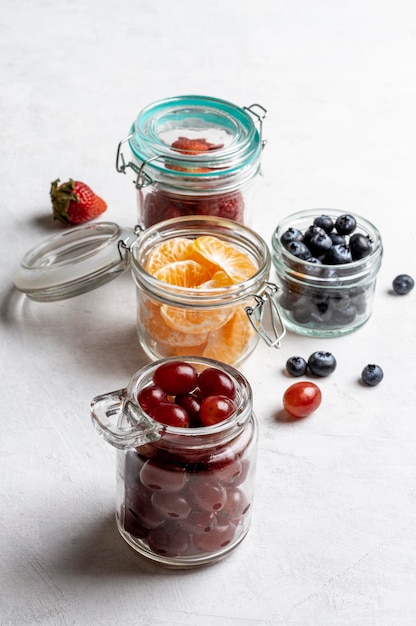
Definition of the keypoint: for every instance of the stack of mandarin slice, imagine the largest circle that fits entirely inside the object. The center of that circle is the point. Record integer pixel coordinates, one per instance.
(221, 333)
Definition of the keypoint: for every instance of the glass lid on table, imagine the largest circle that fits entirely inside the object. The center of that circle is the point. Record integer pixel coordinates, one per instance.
(74, 261)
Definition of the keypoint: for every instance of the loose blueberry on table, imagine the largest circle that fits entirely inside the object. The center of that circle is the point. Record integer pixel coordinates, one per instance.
(322, 363)
(296, 366)
(403, 284)
(372, 375)
(189, 502)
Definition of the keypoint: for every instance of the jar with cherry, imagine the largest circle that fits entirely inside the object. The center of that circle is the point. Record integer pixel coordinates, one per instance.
(186, 439)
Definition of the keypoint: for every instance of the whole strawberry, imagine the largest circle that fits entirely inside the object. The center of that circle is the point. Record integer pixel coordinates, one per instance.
(74, 202)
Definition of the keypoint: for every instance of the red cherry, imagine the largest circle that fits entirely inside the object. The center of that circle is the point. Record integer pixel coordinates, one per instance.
(176, 377)
(209, 495)
(220, 537)
(159, 477)
(170, 414)
(215, 409)
(214, 382)
(302, 399)
(237, 504)
(168, 540)
(192, 405)
(150, 396)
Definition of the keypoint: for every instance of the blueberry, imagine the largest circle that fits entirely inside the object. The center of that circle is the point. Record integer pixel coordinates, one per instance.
(372, 375)
(345, 224)
(336, 238)
(296, 366)
(321, 302)
(302, 315)
(359, 299)
(338, 255)
(360, 246)
(319, 243)
(325, 222)
(291, 234)
(299, 250)
(402, 284)
(310, 232)
(322, 363)
(344, 316)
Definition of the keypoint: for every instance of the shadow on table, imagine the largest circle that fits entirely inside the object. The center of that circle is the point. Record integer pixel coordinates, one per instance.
(100, 552)
(80, 331)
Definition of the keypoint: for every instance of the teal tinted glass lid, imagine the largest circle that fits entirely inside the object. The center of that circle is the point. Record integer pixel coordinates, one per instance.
(74, 261)
(190, 134)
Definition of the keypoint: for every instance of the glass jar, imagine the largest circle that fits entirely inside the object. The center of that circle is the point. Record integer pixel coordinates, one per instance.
(183, 495)
(220, 321)
(194, 155)
(320, 299)
(213, 321)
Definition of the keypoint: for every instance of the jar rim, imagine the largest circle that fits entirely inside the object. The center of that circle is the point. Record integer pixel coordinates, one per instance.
(227, 427)
(326, 274)
(194, 226)
(235, 139)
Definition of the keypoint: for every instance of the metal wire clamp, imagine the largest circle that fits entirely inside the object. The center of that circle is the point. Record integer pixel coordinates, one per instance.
(266, 303)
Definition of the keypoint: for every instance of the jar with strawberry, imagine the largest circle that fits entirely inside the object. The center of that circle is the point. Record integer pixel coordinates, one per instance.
(194, 155)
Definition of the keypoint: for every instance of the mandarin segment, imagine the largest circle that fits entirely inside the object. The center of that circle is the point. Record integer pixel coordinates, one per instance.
(175, 249)
(202, 264)
(189, 350)
(230, 342)
(183, 274)
(215, 253)
(193, 321)
(159, 331)
(218, 281)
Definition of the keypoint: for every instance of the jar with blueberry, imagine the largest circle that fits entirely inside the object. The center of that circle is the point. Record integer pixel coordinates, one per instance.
(194, 155)
(186, 440)
(326, 263)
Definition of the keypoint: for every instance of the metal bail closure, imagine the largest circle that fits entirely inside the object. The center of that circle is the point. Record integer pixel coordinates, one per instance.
(259, 117)
(142, 179)
(121, 422)
(266, 311)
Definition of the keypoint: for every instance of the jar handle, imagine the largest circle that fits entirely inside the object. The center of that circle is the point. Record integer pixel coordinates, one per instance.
(106, 411)
(257, 318)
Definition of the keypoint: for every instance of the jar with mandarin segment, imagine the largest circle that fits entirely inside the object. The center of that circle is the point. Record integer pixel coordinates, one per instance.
(202, 289)
(184, 493)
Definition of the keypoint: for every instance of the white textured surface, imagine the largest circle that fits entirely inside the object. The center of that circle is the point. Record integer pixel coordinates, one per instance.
(333, 539)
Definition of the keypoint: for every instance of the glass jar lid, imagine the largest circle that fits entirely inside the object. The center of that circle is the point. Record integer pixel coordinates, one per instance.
(74, 261)
(195, 137)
